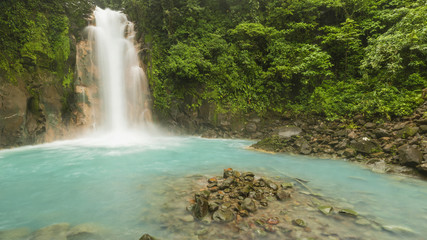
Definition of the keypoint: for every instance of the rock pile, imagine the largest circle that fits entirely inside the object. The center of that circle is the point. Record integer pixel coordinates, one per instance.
(236, 195)
(399, 146)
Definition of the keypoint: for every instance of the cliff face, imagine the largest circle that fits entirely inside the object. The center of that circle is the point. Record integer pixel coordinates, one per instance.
(33, 113)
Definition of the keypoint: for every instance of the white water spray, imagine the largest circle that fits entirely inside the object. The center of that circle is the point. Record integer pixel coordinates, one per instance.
(122, 83)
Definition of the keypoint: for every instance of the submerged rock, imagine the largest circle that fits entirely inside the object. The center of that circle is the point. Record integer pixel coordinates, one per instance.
(85, 232)
(53, 232)
(148, 237)
(249, 204)
(14, 234)
(299, 222)
(348, 212)
(223, 215)
(325, 209)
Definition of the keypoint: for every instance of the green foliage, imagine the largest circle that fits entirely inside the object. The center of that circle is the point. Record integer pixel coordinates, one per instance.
(337, 58)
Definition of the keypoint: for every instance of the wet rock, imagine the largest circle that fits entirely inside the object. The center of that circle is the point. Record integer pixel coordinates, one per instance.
(325, 209)
(85, 231)
(273, 221)
(423, 129)
(348, 212)
(365, 145)
(52, 232)
(303, 146)
(299, 222)
(289, 131)
(249, 204)
(283, 194)
(148, 237)
(228, 172)
(287, 185)
(223, 215)
(409, 156)
(201, 206)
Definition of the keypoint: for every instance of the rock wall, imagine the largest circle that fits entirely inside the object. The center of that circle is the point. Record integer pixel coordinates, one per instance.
(32, 110)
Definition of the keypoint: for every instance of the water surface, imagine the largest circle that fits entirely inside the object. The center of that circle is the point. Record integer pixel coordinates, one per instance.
(117, 185)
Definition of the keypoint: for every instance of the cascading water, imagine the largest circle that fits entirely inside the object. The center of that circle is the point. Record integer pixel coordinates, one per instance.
(122, 83)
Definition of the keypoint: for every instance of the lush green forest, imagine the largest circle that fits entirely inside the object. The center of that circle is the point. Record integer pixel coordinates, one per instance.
(335, 58)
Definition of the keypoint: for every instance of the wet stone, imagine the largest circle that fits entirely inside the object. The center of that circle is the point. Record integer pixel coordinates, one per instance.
(223, 215)
(249, 204)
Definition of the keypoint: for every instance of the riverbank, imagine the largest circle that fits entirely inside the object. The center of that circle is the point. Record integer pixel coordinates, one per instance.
(394, 146)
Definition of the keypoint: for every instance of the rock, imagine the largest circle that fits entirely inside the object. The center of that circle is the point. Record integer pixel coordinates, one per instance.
(15, 234)
(422, 167)
(408, 131)
(52, 232)
(201, 206)
(365, 145)
(399, 125)
(249, 204)
(352, 135)
(409, 156)
(349, 152)
(251, 127)
(84, 232)
(299, 222)
(348, 212)
(287, 185)
(223, 215)
(388, 148)
(272, 185)
(283, 194)
(423, 129)
(287, 132)
(342, 133)
(228, 172)
(380, 132)
(370, 125)
(303, 146)
(325, 209)
(273, 221)
(148, 237)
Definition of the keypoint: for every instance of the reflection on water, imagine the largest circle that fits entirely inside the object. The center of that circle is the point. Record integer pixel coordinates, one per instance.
(124, 187)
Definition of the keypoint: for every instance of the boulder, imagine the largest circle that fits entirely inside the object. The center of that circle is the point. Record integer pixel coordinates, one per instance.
(365, 145)
(283, 195)
(289, 131)
(201, 206)
(409, 156)
(408, 131)
(223, 215)
(249, 204)
(303, 146)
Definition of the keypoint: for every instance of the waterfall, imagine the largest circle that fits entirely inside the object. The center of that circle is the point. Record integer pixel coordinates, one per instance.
(122, 84)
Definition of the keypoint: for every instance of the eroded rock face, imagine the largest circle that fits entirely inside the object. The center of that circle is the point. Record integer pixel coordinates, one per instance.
(13, 110)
